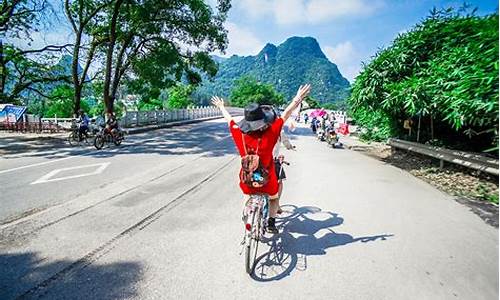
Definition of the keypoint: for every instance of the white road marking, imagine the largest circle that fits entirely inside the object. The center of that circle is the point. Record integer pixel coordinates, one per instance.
(34, 165)
(49, 177)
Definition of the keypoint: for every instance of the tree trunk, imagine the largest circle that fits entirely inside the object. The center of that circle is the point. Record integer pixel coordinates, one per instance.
(3, 72)
(108, 97)
(74, 71)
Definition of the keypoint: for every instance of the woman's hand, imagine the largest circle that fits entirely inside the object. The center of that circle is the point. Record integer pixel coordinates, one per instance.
(219, 102)
(302, 93)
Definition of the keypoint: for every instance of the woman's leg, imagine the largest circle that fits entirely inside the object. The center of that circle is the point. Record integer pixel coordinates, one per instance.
(280, 190)
(273, 205)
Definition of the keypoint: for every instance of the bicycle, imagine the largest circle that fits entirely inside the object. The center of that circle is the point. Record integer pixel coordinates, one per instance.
(76, 137)
(255, 215)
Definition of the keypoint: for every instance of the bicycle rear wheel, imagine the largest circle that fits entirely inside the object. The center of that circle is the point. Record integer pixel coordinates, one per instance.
(252, 242)
(73, 138)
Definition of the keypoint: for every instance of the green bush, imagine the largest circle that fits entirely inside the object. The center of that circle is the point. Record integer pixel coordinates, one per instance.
(445, 70)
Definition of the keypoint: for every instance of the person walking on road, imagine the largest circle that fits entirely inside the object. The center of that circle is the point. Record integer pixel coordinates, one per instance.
(279, 161)
(257, 134)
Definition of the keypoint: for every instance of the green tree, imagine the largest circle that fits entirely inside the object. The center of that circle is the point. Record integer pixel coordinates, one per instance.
(82, 16)
(248, 90)
(180, 96)
(444, 72)
(60, 103)
(144, 38)
(22, 71)
(146, 104)
(19, 18)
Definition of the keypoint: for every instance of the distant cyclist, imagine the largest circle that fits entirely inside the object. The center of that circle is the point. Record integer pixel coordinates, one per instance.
(112, 124)
(256, 135)
(83, 121)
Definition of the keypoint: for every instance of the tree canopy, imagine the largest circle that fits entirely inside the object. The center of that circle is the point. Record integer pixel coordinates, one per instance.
(444, 70)
(146, 45)
(157, 43)
(248, 90)
(180, 96)
(23, 70)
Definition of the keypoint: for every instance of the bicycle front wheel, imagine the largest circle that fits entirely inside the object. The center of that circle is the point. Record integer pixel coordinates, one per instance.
(252, 242)
(98, 142)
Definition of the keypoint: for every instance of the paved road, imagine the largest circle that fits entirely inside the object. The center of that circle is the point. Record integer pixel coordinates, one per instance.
(162, 221)
(23, 192)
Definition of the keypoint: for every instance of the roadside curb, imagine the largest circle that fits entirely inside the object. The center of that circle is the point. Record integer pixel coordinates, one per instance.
(135, 130)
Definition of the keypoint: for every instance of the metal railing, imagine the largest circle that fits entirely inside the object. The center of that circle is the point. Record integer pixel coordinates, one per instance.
(466, 159)
(31, 127)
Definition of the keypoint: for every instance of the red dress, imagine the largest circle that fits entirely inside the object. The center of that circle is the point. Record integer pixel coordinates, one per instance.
(269, 137)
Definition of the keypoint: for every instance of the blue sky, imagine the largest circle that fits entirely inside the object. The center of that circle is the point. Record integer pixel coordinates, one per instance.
(348, 31)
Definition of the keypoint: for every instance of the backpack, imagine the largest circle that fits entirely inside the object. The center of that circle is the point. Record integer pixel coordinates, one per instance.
(253, 174)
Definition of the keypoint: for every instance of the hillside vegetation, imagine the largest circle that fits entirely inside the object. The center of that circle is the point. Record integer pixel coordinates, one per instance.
(286, 67)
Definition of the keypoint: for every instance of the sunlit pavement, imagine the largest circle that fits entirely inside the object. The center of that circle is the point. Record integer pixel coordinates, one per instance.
(160, 218)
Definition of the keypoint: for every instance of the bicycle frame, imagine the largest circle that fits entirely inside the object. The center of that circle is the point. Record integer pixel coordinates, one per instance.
(256, 204)
(254, 216)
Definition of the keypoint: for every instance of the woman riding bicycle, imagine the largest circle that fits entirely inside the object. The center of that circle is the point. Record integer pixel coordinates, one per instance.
(257, 134)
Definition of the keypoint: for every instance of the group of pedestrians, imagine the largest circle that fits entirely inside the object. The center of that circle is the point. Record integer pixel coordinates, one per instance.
(322, 122)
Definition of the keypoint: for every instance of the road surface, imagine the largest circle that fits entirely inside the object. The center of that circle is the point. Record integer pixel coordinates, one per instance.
(160, 218)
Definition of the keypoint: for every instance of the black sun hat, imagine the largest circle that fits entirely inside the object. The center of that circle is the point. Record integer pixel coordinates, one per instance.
(256, 117)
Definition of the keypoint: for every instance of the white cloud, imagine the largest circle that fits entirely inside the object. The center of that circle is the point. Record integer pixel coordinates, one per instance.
(346, 57)
(242, 41)
(324, 10)
(257, 8)
(287, 12)
(341, 53)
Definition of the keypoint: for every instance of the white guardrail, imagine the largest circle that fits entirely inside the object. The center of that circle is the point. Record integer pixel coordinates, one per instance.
(466, 159)
(155, 117)
(62, 122)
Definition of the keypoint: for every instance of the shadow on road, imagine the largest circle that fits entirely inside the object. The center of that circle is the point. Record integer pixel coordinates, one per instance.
(28, 275)
(15, 144)
(304, 231)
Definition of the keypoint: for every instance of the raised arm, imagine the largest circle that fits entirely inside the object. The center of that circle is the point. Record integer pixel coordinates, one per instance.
(219, 102)
(301, 94)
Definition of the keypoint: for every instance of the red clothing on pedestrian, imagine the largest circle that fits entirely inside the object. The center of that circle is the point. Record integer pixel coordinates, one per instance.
(268, 139)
